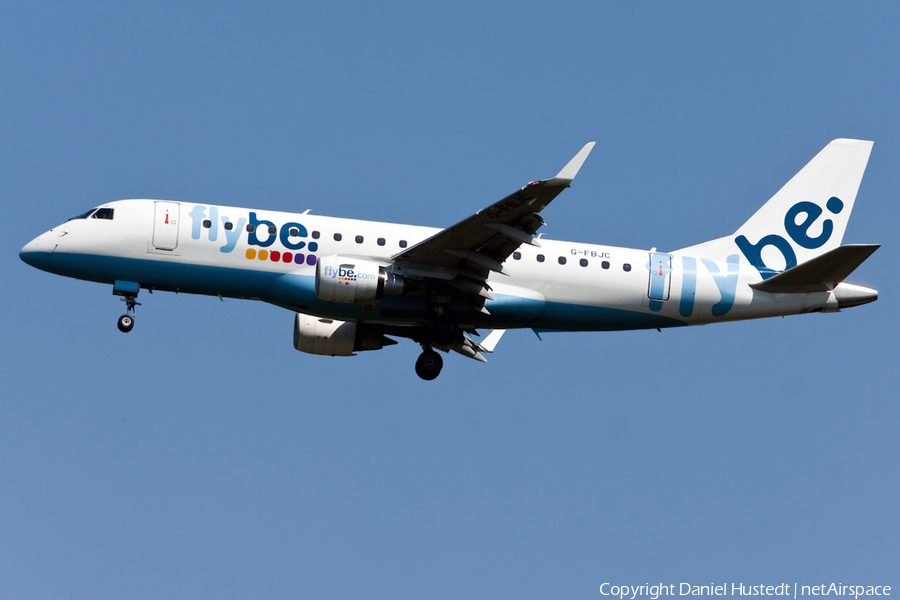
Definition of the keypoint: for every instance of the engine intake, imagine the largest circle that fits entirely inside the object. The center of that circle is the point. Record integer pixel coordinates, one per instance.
(344, 279)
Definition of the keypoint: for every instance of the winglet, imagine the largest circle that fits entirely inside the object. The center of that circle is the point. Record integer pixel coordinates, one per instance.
(569, 171)
(490, 342)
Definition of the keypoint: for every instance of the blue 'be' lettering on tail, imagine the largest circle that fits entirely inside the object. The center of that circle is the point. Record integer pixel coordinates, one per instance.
(799, 232)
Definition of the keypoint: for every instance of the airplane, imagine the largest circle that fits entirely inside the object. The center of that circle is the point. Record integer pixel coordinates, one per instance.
(355, 285)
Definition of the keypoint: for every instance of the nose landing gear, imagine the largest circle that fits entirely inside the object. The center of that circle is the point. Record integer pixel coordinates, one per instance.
(429, 364)
(129, 291)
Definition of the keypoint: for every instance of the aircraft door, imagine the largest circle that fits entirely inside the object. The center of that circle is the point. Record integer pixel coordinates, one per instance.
(660, 276)
(165, 225)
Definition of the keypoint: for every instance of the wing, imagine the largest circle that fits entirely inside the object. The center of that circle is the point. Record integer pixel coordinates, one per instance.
(459, 259)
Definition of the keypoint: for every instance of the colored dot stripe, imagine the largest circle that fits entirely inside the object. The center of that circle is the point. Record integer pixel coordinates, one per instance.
(278, 256)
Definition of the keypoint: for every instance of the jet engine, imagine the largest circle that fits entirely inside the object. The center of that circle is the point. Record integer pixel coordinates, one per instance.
(331, 337)
(344, 279)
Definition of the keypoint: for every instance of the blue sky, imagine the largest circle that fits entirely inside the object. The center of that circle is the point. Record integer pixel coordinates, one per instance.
(202, 457)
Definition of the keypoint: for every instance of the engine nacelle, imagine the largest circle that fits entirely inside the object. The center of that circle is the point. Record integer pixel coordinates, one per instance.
(344, 279)
(331, 337)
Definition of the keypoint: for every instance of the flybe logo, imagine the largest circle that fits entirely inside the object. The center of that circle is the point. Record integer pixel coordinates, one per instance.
(342, 273)
(798, 232)
(345, 274)
(260, 233)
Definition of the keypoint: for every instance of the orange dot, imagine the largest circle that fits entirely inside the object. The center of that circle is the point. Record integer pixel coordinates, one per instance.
(263, 254)
(251, 253)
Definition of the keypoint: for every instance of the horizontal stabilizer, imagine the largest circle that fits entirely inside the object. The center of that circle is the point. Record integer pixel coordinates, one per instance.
(821, 274)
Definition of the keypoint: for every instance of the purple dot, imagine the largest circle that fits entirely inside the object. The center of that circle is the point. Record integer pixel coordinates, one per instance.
(311, 260)
(298, 258)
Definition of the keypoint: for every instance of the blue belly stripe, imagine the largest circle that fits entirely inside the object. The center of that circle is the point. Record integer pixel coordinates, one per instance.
(296, 291)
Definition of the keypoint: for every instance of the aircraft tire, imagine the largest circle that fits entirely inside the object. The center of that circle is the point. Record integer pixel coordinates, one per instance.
(126, 323)
(429, 365)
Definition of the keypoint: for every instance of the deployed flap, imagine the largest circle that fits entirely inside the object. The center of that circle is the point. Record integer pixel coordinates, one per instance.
(472, 349)
(468, 348)
(821, 274)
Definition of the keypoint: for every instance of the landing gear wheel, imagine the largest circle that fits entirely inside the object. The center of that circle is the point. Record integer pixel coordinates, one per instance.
(126, 323)
(129, 292)
(429, 365)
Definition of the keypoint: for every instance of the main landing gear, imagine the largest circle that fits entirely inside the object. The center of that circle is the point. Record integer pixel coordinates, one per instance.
(429, 364)
(129, 291)
(443, 333)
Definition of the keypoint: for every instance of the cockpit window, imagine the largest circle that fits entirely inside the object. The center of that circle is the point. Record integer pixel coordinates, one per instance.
(103, 213)
(83, 215)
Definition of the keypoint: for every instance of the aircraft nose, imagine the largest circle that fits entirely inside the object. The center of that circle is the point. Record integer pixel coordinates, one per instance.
(35, 251)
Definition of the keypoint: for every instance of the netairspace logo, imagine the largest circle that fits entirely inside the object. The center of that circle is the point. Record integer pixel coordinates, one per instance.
(654, 592)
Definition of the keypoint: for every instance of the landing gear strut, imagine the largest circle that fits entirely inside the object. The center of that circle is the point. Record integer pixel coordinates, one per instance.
(129, 292)
(444, 332)
(429, 364)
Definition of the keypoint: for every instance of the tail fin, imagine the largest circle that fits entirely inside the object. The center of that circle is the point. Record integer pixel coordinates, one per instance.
(806, 218)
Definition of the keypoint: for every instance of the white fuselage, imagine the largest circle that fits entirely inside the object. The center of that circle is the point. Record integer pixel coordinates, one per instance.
(563, 286)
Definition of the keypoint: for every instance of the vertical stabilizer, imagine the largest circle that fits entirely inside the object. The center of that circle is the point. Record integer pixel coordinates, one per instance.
(806, 218)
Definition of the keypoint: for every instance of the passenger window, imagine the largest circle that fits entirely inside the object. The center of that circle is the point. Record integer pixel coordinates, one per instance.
(251, 227)
(517, 255)
(337, 237)
(583, 262)
(626, 267)
(103, 213)
(315, 235)
(540, 258)
(403, 243)
(359, 239)
(605, 264)
(381, 241)
(207, 223)
(272, 230)
(229, 225)
(294, 232)
(562, 260)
